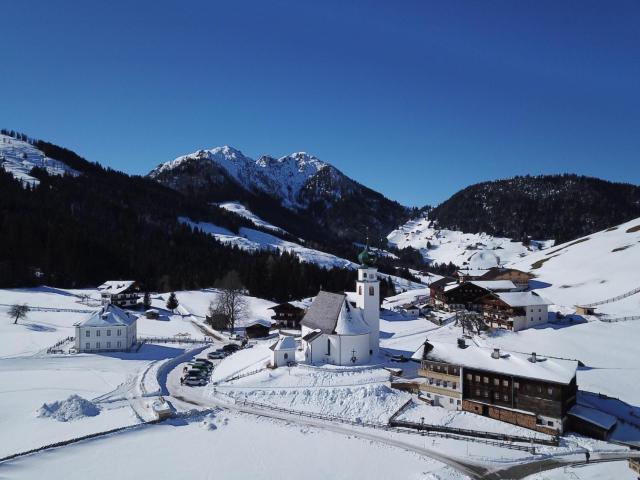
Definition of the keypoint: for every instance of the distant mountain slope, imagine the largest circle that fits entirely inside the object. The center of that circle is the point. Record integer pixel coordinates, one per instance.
(590, 269)
(19, 157)
(298, 192)
(467, 250)
(560, 207)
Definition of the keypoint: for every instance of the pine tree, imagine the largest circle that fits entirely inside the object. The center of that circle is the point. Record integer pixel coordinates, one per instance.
(172, 302)
(146, 301)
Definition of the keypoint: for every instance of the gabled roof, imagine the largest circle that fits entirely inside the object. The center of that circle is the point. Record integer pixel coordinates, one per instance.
(323, 313)
(442, 282)
(284, 343)
(259, 321)
(288, 306)
(331, 313)
(495, 271)
(116, 286)
(494, 284)
(521, 299)
(509, 363)
(312, 335)
(109, 316)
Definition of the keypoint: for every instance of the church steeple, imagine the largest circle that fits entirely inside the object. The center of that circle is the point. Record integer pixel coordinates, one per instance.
(366, 257)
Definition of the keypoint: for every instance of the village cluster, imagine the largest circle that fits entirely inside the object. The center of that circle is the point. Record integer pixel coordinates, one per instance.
(343, 329)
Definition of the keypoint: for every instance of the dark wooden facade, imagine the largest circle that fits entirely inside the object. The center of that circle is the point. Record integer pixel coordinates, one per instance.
(466, 295)
(287, 315)
(490, 393)
(516, 276)
(257, 330)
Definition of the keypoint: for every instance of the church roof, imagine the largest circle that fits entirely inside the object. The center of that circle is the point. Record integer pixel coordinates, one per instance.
(331, 313)
(323, 313)
(350, 321)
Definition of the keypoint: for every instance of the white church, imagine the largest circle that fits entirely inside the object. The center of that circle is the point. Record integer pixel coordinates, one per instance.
(336, 332)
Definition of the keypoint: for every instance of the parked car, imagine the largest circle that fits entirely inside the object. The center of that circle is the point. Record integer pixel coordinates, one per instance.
(399, 358)
(215, 355)
(235, 336)
(204, 361)
(231, 347)
(195, 381)
(198, 371)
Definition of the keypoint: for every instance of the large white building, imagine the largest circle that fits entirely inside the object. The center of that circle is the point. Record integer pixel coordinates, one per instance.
(335, 331)
(109, 328)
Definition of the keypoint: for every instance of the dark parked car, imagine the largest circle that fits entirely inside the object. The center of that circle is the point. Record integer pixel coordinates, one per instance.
(399, 358)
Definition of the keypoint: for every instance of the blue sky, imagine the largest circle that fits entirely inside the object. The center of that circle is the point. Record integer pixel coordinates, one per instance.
(414, 99)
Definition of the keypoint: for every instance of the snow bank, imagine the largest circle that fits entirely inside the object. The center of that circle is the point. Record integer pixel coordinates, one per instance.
(368, 403)
(73, 408)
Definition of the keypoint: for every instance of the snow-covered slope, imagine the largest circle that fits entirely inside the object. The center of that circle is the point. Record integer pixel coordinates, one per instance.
(591, 269)
(289, 178)
(18, 158)
(471, 250)
(242, 211)
(252, 240)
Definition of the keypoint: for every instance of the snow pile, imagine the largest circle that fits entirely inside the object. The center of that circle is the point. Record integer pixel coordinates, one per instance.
(367, 403)
(471, 250)
(73, 408)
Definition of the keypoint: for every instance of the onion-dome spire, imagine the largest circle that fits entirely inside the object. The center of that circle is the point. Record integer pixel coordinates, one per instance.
(366, 257)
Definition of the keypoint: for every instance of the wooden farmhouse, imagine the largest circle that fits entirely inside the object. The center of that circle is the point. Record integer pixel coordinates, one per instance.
(287, 315)
(525, 390)
(122, 293)
(257, 328)
(514, 310)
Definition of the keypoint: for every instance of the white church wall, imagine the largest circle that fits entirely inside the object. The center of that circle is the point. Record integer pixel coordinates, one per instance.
(354, 343)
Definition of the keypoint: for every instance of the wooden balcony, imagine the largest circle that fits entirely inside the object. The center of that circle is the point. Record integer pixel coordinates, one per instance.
(423, 372)
(425, 387)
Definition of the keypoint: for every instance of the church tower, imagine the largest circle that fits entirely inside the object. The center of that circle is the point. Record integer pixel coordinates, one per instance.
(368, 296)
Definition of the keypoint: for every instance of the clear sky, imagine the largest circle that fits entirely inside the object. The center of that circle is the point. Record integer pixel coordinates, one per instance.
(414, 99)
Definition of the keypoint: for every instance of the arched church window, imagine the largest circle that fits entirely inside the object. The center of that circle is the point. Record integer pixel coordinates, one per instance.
(286, 355)
(360, 290)
(371, 289)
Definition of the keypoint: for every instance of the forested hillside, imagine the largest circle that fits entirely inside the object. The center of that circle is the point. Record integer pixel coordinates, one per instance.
(560, 207)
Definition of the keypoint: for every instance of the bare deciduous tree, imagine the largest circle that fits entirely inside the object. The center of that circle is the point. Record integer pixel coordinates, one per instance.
(231, 301)
(18, 312)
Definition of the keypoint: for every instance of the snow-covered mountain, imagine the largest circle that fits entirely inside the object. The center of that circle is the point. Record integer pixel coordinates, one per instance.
(467, 250)
(295, 179)
(19, 157)
(300, 193)
(598, 267)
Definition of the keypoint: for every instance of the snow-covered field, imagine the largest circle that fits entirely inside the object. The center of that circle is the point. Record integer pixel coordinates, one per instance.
(591, 269)
(228, 446)
(467, 250)
(18, 158)
(594, 471)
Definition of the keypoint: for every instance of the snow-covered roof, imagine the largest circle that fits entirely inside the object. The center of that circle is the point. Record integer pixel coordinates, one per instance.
(509, 363)
(109, 316)
(350, 321)
(494, 284)
(323, 312)
(116, 286)
(284, 343)
(521, 299)
(596, 417)
(259, 321)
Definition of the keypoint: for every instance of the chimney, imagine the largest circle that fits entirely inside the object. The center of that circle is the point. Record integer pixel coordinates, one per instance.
(496, 353)
(533, 358)
(462, 343)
